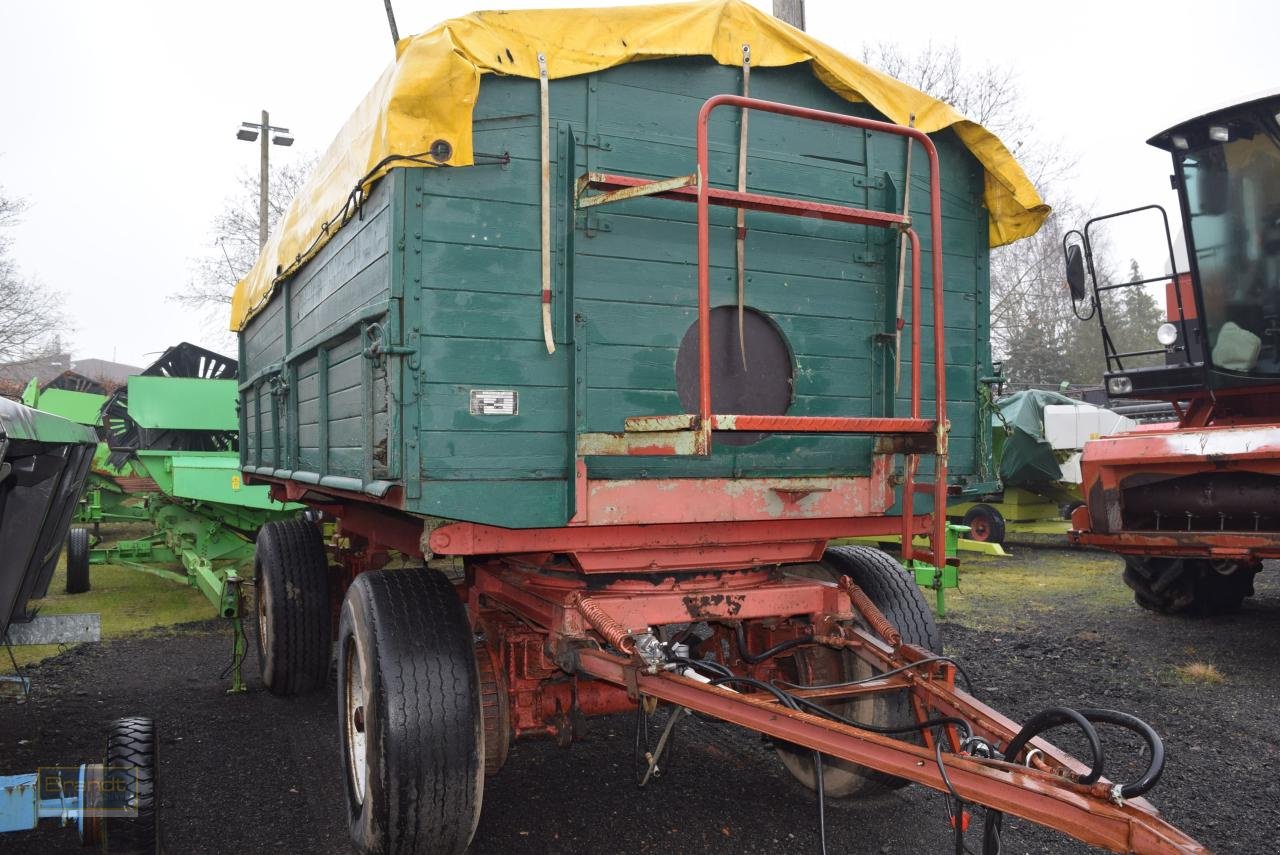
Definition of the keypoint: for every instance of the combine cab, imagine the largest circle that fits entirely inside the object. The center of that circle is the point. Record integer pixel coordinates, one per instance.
(1194, 505)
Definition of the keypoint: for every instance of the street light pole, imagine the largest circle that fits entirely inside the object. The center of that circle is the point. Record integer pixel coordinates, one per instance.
(249, 131)
(263, 176)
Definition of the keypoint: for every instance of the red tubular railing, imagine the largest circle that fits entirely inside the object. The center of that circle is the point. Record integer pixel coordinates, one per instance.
(706, 420)
(753, 200)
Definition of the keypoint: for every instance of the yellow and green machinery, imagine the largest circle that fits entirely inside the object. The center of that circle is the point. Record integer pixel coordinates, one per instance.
(168, 459)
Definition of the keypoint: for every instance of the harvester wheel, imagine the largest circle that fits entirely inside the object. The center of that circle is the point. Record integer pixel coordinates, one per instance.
(132, 772)
(291, 579)
(78, 561)
(895, 593)
(409, 699)
(1188, 585)
(986, 524)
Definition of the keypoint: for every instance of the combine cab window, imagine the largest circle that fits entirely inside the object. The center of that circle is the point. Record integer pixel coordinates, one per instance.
(1233, 192)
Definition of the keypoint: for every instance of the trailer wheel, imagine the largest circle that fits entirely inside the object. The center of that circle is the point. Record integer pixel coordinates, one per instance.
(896, 594)
(132, 771)
(1188, 585)
(291, 581)
(77, 561)
(413, 750)
(495, 709)
(986, 524)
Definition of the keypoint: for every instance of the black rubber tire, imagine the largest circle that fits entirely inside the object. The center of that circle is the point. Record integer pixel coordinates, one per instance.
(986, 524)
(495, 710)
(132, 766)
(1188, 586)
(408, 686)
(78, 561)
(894, 591)
(295, 618)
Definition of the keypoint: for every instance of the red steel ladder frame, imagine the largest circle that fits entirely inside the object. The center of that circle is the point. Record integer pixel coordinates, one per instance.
(691, 433)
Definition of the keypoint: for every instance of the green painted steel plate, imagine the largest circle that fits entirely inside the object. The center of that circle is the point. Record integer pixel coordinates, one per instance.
(183, 403)
(210, 476)
(79, 407)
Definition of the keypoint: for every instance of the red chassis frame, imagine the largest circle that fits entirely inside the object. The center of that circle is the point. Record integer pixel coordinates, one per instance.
(562, 611)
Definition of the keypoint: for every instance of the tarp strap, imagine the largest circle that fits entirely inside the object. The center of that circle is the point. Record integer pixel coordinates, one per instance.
(902, 267)
(742, 213)
(544, 120)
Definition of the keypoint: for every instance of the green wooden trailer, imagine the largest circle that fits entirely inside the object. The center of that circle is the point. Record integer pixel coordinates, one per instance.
(368, 370)
(632, 422)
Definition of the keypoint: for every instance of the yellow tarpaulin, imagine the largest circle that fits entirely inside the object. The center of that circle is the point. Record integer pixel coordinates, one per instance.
(426, 97)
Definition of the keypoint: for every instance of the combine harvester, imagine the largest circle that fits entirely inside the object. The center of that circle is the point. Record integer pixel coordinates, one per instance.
(1194, 505)
(173, 429)
(44, 461)
(619, 338)
(111, 494)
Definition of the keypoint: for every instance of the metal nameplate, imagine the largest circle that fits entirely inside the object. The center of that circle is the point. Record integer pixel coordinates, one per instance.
(494, 402)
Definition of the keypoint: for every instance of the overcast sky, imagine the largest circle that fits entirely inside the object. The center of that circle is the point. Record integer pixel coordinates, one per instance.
(120, 118)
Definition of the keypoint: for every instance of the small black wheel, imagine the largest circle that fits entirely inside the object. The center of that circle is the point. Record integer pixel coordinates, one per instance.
(896, 594)
(131, 791)
(1191, 586)
(77, 561)
(986, 524)
(295, 621)
(413, 750)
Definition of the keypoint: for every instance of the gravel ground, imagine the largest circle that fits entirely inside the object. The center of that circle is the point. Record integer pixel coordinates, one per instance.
(256, 773)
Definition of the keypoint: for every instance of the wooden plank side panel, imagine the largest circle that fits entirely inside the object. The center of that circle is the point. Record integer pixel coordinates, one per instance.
(307, 393)
(351, 272)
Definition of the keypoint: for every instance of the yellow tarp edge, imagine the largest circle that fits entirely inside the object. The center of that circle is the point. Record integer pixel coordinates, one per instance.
(428, 94)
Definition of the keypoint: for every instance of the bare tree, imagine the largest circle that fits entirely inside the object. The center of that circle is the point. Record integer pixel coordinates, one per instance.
(234, 248)
(1032, 326)
(31, 315)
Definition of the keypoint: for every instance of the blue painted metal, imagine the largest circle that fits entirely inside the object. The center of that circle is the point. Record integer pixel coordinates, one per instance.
(21, 807)
(19, 802)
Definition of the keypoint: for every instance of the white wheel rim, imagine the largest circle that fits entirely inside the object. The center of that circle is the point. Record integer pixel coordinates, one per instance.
(260, 594)
(354, 724)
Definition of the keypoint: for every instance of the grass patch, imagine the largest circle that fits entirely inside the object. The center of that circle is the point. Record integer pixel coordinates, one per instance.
(1199, 673)
(999, 593)
(129, 601)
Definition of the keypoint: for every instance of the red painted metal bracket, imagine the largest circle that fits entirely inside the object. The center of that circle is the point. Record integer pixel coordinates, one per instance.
(672, 547)
(622, 187)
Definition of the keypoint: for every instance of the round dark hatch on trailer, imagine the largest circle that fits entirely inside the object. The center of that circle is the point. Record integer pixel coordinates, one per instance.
(764, 387)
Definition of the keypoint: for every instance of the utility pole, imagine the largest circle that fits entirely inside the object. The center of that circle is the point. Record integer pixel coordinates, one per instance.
(790, 11)
(249, 131)
(391, 19)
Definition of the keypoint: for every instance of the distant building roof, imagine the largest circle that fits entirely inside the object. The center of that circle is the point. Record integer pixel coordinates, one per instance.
(16, 375)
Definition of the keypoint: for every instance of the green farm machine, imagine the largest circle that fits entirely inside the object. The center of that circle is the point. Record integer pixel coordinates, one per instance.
(110, 494)
(168, 459)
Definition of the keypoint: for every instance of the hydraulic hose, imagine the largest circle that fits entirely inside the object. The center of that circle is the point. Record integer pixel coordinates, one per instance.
(757, 658)
(1135, 725)
(1049, 719)
(1084, 717)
